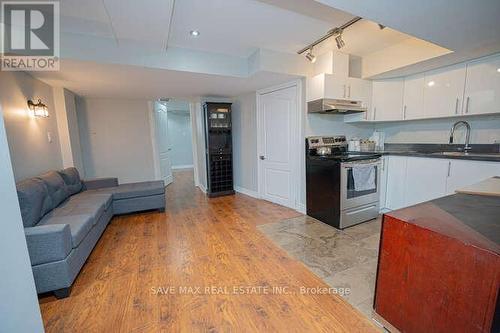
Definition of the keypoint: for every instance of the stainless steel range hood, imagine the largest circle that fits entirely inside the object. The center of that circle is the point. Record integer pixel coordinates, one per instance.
(335, 106)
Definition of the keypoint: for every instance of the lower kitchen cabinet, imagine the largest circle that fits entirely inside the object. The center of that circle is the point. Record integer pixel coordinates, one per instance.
(412, 180)
(396, 182)
(464, 173)
(425, 179)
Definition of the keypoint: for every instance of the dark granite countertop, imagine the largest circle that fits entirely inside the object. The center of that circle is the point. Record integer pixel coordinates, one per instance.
(473, 219)
(479, 152)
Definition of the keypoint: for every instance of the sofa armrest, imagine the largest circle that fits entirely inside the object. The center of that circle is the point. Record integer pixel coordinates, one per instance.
(97, 183)
(47, 243)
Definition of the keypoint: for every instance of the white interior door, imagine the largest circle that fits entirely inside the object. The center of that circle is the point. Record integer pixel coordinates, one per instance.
(278, 127)
(164, 150)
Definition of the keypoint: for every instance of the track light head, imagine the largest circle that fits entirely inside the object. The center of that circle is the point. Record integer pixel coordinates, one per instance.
(381, 26)
(310, 56)
(340, 42)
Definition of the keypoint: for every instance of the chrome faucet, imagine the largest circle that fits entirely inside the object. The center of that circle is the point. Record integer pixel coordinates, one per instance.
(467, 146)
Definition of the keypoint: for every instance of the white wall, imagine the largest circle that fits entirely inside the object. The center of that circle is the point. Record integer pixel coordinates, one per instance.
(115, 136)
(179, 133)
(484, 129)
(244, 118)
(67, 123)
(199, 137)
(30, 150)
(19, 310)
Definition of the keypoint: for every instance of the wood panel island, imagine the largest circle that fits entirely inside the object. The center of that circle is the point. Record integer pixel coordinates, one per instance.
(439, 266)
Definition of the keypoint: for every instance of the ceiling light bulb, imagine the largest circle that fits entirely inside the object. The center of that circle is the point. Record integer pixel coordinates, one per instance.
(498, 70)
(310, 56)
(194, 33)
(431, 83)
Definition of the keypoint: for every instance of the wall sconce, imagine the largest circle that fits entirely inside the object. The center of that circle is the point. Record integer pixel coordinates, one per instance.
(38, 109)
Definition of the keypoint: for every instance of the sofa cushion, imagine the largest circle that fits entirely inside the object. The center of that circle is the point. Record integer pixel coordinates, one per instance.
(72, 180)
(84, 203)
(34, 200)
(80, 225)
(135, 190)
(57, 188)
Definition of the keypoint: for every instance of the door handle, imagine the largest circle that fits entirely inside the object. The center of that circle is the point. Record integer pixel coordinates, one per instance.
(374, 113)
(349, 91)
(404, 112)
(467, 105)
(344, 89)
(456, 106)
(262, 157)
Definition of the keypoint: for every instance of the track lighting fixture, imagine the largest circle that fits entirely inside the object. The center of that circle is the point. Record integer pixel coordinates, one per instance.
(381, 26)
(310, 56)
(340, 42)
(335, 32)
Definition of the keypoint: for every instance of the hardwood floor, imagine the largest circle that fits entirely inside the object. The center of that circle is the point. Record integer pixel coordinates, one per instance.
(133, 280)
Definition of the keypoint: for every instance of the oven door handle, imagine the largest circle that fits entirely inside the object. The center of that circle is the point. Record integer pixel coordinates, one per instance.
(374, 162)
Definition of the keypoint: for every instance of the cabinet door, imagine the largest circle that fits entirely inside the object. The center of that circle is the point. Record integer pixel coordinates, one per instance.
(335, 87)
(482, 89)
(383, 183)
(387, 100)
(465, 173)
(396, 180)
(425, 179)
(443, 91)
(413, 101)
(359, 90)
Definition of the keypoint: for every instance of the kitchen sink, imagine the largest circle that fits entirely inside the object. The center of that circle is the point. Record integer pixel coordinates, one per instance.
(460, 153)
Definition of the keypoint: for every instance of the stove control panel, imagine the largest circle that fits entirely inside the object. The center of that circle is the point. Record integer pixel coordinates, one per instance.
(326, 141)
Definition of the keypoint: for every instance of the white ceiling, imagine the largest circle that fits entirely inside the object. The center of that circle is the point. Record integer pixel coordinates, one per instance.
(134, 82)
(240, 27)
(454, 24)
(140, 32)
(142, 23)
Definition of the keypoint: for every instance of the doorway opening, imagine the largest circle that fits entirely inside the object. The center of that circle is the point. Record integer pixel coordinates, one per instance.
(173, 138)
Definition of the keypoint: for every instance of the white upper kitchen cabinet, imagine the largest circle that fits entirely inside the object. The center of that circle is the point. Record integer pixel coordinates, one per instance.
(425, 179)
(482, 88)
(413, 100)
(464, 173)
(338, 87)
(326, 86)
(359, 90)
(396, 182)
(387, 100)
(443, 91)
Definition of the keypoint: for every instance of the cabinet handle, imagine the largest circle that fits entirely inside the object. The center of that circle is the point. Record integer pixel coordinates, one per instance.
(456, 106)
(374, 113)
(467, 104)
(449, 168)
(404, 112)
(349, 91)
(344, 90)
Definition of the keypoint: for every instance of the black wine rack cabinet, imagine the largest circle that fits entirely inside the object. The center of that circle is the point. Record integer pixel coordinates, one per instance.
(219, 148)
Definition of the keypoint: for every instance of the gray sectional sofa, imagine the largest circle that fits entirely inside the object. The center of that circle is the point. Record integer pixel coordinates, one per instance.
(64, 218)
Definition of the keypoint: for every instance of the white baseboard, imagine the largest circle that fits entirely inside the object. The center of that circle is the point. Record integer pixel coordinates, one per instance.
(250, 193)
(187, 166)
(301, 208)
(202, 188)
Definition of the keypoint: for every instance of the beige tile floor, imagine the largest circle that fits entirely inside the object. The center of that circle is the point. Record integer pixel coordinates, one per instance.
(343, 259)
